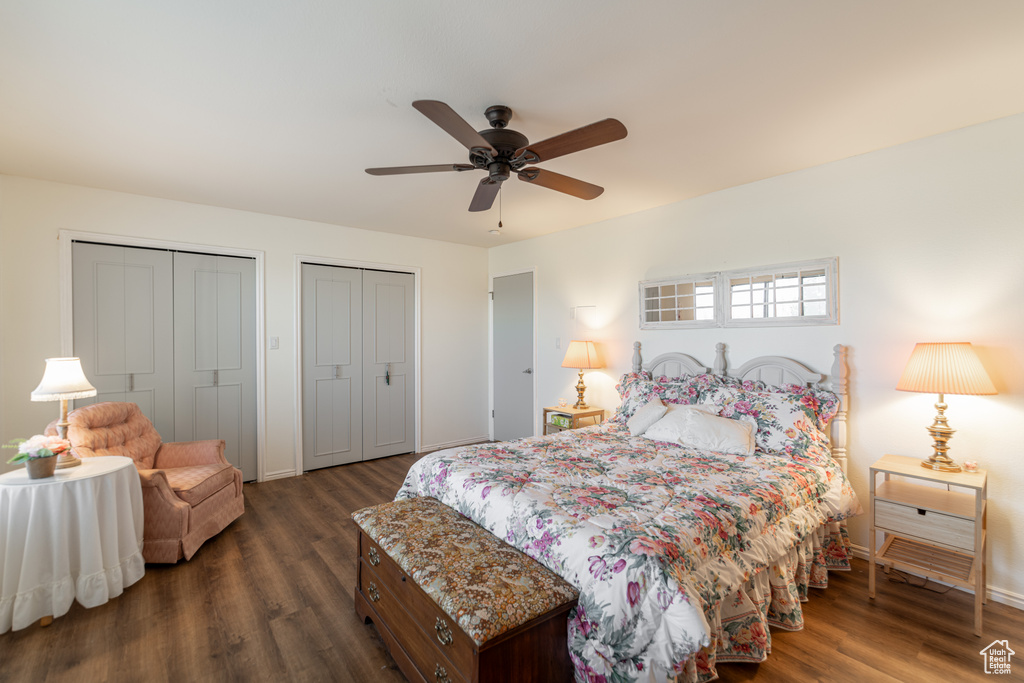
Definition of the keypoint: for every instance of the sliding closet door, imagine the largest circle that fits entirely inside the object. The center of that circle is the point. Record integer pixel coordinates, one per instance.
(215, 354)
(332, 366)
(122, 326)
(388, 377)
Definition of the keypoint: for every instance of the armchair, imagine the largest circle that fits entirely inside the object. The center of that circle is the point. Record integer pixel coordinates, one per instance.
(190, 492)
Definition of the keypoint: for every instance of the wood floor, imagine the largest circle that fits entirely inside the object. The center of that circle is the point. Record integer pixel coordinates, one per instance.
(270, 599)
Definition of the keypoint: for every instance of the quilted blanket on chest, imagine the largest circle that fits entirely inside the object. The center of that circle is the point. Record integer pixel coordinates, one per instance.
(654, 535)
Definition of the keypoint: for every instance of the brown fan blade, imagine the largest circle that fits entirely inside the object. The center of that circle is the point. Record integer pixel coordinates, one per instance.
(595, 134)
(434, 168)
(486, 191)
(453, 124)
(561, 183)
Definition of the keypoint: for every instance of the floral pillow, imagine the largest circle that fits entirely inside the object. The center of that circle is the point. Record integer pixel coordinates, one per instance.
(788, 423)
(821, 404)
(636, 389)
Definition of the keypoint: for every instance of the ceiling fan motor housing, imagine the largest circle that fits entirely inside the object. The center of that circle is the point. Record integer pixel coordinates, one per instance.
(506, 141)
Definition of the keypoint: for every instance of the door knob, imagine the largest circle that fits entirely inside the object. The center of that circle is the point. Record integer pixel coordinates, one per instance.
(528, 371)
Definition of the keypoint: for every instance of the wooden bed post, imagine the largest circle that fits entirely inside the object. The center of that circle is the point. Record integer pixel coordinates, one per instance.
(637, 363)
(719, 367)
(840, 386)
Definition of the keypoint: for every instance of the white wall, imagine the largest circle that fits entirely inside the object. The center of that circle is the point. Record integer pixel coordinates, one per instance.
(930, 240)
(454, 303)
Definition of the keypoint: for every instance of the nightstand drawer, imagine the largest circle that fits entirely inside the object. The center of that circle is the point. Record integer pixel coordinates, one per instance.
(927, 524)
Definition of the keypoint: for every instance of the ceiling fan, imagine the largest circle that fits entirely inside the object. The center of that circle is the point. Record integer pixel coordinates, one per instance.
(502, 151)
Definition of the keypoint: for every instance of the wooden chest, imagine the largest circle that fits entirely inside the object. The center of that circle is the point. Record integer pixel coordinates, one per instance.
(485, 612)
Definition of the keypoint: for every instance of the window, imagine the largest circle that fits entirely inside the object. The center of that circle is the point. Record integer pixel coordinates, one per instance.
(680, 302)
(789, 294)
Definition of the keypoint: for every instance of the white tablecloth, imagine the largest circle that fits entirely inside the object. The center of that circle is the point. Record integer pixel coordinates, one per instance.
(74, 536)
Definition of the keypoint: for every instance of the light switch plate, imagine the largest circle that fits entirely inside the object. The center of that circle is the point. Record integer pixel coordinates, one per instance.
(275, 342)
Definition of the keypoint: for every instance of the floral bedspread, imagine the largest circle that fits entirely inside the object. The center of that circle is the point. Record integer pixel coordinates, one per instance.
(655, 536)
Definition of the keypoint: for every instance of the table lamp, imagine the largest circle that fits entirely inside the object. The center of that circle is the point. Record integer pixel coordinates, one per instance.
(63, 380)
(582, 355)
(944, 368)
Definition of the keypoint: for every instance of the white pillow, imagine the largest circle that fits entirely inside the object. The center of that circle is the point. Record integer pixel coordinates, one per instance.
(703, 430)
(720, 434)
(672, 426)
(644, 417)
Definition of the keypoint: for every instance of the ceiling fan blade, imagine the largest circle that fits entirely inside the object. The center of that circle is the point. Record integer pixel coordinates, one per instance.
(560, 183)
(600, 133)
(433, 168)
(486, 191)
(453, 124)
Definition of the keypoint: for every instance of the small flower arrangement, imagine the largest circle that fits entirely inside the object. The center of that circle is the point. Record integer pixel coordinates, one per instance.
(39, 446)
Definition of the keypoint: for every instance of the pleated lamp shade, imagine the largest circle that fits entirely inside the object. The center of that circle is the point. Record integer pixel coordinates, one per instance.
(581, 355)
(946, 368)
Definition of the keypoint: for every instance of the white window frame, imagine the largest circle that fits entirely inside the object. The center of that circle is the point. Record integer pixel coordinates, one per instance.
(722, 311)
(716, 308)
(830, 317)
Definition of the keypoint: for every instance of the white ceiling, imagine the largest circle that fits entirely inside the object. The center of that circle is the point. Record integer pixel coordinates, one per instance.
(278, 106)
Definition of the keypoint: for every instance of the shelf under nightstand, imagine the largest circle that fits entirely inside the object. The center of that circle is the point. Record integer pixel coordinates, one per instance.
(577, 416)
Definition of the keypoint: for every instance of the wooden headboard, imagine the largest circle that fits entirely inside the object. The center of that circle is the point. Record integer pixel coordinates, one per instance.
(773, 370)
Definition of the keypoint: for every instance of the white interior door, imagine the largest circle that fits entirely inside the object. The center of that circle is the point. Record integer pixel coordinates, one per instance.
(512, 334)
(388, 376)
(332, 366)
(215, 354)
(122, 324)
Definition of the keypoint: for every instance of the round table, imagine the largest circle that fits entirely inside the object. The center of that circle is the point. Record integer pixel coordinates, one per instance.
(74, 536)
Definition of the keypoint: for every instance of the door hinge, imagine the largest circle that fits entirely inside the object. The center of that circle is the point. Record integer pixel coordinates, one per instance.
(492, 295)
(492, 413)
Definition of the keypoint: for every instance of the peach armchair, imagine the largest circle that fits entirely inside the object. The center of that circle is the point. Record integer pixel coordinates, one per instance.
(190, 492)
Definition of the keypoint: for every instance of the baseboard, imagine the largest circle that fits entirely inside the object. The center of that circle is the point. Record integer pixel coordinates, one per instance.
(284, 474)
(280, 474)
(452, 444)
(1000, 595)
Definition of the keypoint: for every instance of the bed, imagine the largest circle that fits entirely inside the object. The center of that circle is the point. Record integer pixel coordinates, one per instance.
(683, 557)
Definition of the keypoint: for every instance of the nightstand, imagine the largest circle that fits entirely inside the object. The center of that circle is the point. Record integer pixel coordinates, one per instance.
(593, 416)
(933, 532)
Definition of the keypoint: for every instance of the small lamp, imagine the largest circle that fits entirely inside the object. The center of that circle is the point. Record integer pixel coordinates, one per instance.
(63, 380)
(945, 368)
(582, 355)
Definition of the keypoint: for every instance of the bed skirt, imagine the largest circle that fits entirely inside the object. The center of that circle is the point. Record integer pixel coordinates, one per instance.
(772, 598)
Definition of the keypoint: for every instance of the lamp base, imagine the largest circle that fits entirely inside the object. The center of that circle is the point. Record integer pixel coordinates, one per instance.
(939, 466)
(941, 433)
(580, 388)
(65, 460)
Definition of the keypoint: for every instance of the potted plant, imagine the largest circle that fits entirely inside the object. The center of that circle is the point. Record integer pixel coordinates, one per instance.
(39, 454)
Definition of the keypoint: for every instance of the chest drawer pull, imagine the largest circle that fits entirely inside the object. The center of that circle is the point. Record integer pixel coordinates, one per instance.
(372, 592)
(440, 674)
(374, 557)
(444, 634)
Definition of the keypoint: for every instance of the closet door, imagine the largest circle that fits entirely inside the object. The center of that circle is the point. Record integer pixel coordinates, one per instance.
(332, 366)
(512, 343)
(122, 325)
(215, 354)
(388, 371)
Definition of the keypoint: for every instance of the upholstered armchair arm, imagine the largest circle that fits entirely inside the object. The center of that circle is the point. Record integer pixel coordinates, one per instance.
(156, 479)
(187, 453)
(165, 515)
